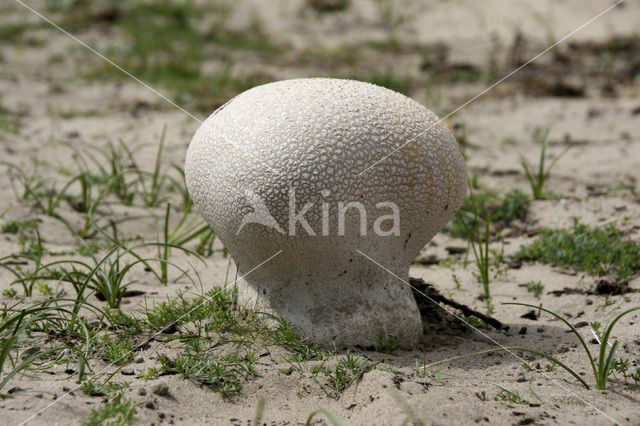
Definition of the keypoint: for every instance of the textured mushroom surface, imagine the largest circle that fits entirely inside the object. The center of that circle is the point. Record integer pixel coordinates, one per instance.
(274, 169)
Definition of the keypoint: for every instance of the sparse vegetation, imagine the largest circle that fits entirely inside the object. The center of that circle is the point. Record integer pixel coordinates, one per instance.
(604, 364)
(222, 373)
(534, 287)
(595, 250)
(503, 210)
(479, 240)
(118, 411)
(509, 396)
(386, 344)
(175, 44)
(537, 180)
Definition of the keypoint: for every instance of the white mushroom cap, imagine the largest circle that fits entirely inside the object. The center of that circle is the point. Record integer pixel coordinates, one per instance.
(309, 139)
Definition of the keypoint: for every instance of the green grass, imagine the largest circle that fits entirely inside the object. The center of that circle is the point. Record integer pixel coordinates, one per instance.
(9, 292)
(479, 236)
(508, 395)
(386, 344)
(18, 226)
(213, 340)
(534, 287)
(166, 44)
(10, 32)
(475, 322)
(118, 411)
(502, 209)
(20, 350)
(537, 180)
(149, 373)
(595, 250)
(93, 388)
(337, 377)
(602, 366)
(224, 373)
(117, 351)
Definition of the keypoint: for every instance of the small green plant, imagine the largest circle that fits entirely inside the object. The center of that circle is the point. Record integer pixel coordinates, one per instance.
(502, 209)
(222, 373)
(17, 323)
(482, 255)
(28, 277)
(9, 292)
(44, 288)
(287, 335)
(447, 262)
(345, 372)
(116, 351)
(497, 263)
(595, 250)
(149, 373)
(622, 366)
(534, 287)
(213, 312)
(386, 344)
(509, 396)
(118, 411)
(479, 240)
(488, 304)
(538, 180)
(18, 226)
(93, 388)
(475, 322)
(604, 364)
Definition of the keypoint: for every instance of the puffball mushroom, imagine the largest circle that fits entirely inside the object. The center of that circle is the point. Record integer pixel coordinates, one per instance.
(277, 170)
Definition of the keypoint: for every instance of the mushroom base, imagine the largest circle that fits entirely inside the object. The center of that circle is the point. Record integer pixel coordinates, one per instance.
(349, 311)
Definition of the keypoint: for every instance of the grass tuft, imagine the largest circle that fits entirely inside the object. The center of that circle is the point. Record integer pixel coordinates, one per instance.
(595, 250)
(503, 210)
(118, 411)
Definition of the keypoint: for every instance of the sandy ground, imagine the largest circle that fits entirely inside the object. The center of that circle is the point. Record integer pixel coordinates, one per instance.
(605, 130)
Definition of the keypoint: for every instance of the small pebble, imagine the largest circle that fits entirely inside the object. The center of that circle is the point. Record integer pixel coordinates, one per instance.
(150, 405)
(139, 360)
(142, 391)
(126, 372)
